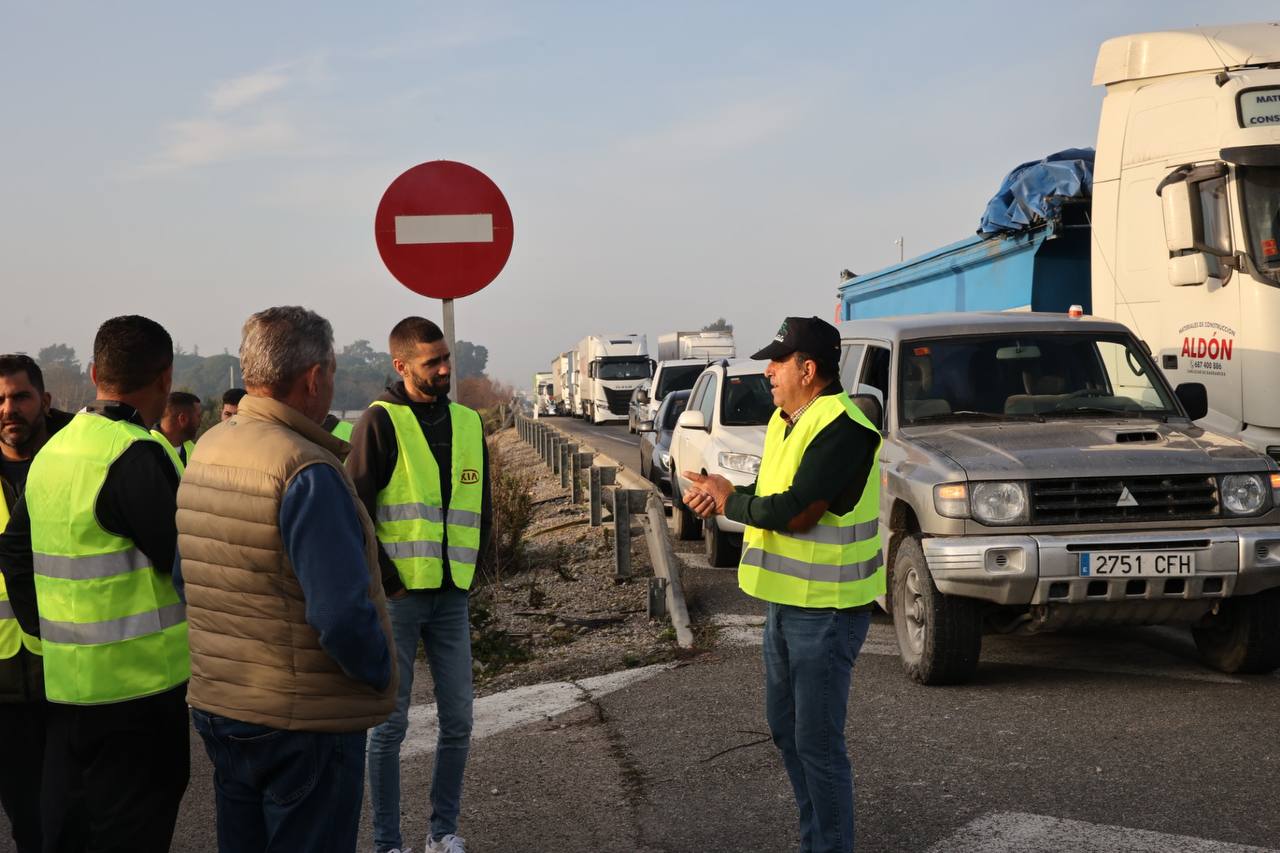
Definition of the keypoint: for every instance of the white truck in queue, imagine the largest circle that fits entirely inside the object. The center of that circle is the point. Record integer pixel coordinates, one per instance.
(682, 356)
(609, 369)
(543, 394)
(564, 378)
(1182, 239)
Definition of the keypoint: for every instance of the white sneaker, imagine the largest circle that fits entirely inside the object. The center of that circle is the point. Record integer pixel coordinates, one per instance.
(448, 844)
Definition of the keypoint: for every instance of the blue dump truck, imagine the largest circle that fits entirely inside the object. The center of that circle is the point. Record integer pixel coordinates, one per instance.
(1031, 253)
(1171, 225)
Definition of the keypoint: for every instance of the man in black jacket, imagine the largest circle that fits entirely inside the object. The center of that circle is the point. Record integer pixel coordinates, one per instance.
(433, 467)
(26, 422)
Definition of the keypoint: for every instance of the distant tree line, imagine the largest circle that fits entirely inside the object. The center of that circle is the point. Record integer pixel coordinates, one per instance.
(363, 373)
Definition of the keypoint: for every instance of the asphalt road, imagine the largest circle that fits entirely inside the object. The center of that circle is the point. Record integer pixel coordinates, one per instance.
(1101, 741)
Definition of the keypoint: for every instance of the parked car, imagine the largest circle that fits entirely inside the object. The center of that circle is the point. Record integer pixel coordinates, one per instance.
(655, 441)
(721, 431)
(1039, 473)
(638, 408)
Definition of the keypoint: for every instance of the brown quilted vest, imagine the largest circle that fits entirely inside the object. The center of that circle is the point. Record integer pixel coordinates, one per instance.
(254, 658)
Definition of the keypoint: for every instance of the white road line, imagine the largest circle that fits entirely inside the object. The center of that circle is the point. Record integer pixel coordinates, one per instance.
(511, 708)
(1016, 832)
(463, 228)
(1079, 656)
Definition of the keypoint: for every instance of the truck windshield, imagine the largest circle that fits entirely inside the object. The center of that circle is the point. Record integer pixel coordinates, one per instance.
(1037, 375)
(747, 401)
(638, 369)
(677, 378)
(1260, 189)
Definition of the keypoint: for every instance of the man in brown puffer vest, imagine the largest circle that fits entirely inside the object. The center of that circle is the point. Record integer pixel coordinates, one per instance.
(291, 650)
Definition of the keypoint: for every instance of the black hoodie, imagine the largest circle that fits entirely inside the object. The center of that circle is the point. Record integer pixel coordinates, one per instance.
(22, 676)
(373, 460)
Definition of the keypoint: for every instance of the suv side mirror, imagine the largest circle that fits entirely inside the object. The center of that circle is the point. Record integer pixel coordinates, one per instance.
(642, 397)
(693, 419)
(870, 407)
(1193, 398)
(646, 426)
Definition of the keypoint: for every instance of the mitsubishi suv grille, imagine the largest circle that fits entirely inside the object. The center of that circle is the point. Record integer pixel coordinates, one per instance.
(1110, 500)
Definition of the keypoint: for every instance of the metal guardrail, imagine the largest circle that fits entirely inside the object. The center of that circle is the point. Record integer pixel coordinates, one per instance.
(609, 484)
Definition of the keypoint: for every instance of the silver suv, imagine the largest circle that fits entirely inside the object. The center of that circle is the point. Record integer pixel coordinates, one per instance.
(1039, 473)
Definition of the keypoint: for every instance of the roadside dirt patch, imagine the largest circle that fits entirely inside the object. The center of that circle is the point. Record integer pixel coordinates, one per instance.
(561, 615)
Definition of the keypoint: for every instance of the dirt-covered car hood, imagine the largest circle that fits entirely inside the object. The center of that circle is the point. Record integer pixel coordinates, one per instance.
(1084, 447)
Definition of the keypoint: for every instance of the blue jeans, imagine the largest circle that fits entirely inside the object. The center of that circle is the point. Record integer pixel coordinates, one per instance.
(442, 622)
(282, 790)
(808, 666)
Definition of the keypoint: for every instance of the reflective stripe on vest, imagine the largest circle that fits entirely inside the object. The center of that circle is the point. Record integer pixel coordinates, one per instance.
(836, 563)
(412, 523)
(173, 451)
(343, 430)
(12, 637)
(112, 626)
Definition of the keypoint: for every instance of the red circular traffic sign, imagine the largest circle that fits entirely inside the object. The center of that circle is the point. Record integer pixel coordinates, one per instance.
(443, 229)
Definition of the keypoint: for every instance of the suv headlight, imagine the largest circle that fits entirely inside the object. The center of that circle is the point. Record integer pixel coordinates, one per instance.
(998, 503)
(1243, 494)
(664, 459)
(744, 462)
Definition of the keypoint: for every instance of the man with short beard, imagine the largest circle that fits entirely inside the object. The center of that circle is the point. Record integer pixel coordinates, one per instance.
(179, 426)
(420, 466)
(26, 422)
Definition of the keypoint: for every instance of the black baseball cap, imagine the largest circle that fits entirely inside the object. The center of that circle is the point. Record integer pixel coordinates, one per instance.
(809, 335)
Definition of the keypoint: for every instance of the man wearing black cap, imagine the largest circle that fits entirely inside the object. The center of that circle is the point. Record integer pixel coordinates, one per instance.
(811, 550)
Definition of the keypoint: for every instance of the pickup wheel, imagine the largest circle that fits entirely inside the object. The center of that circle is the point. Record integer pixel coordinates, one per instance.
(723, 552)
(1244, 636)
(939, 636)
(688, 526)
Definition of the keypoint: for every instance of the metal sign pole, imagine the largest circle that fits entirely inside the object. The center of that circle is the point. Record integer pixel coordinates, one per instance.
(450, 342)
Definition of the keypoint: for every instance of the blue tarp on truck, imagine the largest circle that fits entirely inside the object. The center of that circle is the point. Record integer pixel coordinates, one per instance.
(1034, 193)
(1042, 265)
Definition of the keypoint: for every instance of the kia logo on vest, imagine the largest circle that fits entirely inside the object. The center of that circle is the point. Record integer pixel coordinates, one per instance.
(470, 476)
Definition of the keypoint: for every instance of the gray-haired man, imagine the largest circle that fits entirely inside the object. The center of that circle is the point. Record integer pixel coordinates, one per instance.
(290, 644)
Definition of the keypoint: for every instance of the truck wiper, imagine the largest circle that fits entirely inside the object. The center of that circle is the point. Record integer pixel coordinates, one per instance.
(968, 415)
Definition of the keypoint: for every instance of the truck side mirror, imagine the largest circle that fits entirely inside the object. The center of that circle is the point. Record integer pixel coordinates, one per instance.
(1179, 216)
(1193, 398)
(1188, 270)
(870, 407)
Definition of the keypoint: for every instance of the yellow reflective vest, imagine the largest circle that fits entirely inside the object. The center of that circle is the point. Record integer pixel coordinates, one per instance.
(836, 563)
(188, 448)
(343, 430)
(112, 627)
(12, 637)
(412, 523)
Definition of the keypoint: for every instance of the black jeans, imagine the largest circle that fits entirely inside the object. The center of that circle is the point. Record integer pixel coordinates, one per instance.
(282, 790)
(114, 775)
(22, 729)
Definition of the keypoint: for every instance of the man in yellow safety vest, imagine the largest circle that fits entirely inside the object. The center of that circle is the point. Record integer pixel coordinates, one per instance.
(26, 422)
(179, 426)
(420, 466)
(811, 550)
(87, 558)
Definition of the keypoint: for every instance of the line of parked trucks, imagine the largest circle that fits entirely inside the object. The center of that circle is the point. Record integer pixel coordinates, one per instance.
(1091, 436)
(597, 379)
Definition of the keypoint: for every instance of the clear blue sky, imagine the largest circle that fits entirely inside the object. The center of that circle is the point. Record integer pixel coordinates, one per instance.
(666, 163)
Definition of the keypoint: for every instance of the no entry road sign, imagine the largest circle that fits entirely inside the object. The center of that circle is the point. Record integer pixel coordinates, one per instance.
(443, 229)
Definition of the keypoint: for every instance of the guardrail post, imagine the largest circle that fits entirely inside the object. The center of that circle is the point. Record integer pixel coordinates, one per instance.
(581, 463)
(663, 558)
(537, 436)
(621, 534)
(568, 465)
(657, 597)
(557, 447)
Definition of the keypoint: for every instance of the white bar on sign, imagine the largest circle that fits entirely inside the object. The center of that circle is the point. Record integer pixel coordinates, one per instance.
(463, 228)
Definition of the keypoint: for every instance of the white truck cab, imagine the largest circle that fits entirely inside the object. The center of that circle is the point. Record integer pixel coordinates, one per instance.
(1186, 212)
